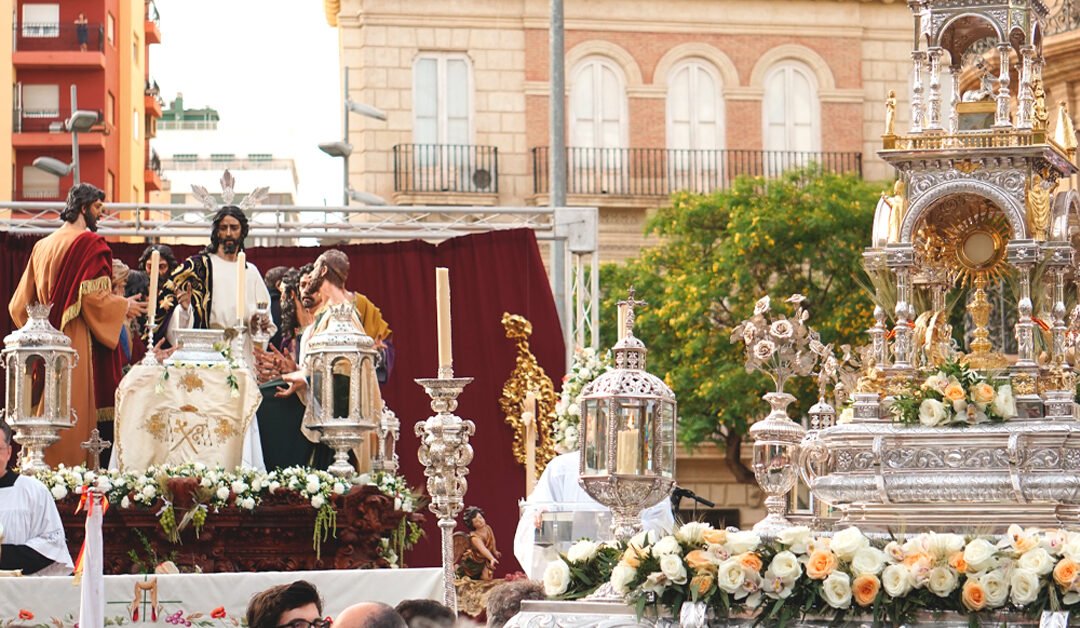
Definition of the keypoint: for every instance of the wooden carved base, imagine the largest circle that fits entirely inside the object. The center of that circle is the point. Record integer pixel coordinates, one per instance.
(276, 536)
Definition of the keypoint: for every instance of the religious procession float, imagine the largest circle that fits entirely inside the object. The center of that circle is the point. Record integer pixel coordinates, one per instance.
(945, 483)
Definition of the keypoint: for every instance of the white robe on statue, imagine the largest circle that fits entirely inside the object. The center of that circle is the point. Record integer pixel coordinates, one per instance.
(28, 516)
(558, 490)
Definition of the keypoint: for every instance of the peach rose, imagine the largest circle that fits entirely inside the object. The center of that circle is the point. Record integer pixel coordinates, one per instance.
(973, 594)
(750, 560)
(955, 392)
(865, 588)
(632, 556)
(699, 561)
(714, 536)
(956, 561)
(982, 392)
(822, 563)
(1025, 543)
(701, 583)
(917, 557)
(1065, 572)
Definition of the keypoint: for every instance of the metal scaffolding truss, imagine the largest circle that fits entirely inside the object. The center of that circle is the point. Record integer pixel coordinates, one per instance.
(573, 259)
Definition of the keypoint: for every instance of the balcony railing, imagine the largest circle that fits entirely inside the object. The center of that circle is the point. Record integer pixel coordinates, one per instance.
(446, 168)
(27, 120)
(53, 37)
(38, 194)
(660, 171)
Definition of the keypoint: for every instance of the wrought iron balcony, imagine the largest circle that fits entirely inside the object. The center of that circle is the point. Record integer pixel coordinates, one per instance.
(57, 37)
(463, 168)
(662, 171)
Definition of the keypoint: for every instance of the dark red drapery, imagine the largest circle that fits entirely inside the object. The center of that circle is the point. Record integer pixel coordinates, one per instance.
(490, 273)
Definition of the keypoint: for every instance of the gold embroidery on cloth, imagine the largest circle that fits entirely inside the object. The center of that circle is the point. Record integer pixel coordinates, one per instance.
(190, 381)
(87, 287)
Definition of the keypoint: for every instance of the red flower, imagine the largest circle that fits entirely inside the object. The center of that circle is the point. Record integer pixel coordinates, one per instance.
(25, 615)
(218, 612)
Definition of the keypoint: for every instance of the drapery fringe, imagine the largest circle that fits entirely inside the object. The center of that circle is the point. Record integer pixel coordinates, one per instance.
(106, 414)
(87, 287)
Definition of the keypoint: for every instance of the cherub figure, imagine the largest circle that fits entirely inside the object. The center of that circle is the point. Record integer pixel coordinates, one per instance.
(475, 553)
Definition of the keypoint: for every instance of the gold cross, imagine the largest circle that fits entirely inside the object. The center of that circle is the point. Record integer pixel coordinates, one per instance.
(95, 446)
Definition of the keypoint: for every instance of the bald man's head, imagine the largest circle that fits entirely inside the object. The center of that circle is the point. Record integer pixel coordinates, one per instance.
(369, 615)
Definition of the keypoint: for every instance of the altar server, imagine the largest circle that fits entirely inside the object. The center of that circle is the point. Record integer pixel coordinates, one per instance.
(31, 533)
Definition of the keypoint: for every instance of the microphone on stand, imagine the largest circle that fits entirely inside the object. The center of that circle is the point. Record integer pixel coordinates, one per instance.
(679, 493)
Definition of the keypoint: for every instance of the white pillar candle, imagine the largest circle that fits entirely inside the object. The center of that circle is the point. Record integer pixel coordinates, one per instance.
(627, 458)
(529, 418)
(442, 314)
(151, 296)
(241, 285)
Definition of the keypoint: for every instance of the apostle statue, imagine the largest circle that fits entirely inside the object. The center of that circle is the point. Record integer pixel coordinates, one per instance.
(71, 269)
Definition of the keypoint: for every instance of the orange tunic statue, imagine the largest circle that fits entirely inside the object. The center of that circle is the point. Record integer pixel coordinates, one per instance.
(71, 268)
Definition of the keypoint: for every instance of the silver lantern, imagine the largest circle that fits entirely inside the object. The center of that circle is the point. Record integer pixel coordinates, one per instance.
(628, 435)
(340, 362)
(38, 351)
(387, 432)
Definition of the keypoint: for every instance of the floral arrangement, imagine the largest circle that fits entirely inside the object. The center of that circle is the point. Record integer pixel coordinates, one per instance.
(798, 575)
(587, 366)
(955, 395)
(243, 488)
(777, 345)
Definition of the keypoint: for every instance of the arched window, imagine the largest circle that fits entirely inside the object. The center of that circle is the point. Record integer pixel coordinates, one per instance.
(790, 110)
(695, 110)
(597, 105)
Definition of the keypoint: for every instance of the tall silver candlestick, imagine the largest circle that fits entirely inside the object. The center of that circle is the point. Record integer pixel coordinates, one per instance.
(445, 453)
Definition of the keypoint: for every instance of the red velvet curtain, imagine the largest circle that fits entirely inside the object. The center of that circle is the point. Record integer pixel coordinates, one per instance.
(490, 273)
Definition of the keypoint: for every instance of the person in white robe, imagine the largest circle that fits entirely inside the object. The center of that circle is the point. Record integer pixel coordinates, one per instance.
(558, 490)
(31, 532)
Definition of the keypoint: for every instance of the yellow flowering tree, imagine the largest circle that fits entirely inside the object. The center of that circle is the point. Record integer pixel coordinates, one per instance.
(801, 233)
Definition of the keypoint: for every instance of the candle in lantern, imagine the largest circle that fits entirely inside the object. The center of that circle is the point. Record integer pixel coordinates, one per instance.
(151, 309)
(528, 416)
(627, 457)
(241, 285)
(442, 313)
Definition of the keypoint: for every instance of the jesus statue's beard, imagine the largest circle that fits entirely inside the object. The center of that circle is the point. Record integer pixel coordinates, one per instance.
(90, 220)
(229, 247)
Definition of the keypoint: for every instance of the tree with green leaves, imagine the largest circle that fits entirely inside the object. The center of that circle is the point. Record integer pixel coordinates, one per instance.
(801, 233)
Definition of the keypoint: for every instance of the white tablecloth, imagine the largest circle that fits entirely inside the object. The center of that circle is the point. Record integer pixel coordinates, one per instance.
(54, 601)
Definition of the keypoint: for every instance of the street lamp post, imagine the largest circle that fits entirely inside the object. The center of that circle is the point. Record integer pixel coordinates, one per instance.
(81, 120)
(343, 148)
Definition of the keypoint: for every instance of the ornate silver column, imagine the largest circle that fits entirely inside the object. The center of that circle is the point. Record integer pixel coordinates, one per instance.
(1059, 258)
(1001, 115)
(1026, 97)
(901, 259)
(918, 112)
(934, 104)
(954, 113)
(1023, 255)
(445, 453)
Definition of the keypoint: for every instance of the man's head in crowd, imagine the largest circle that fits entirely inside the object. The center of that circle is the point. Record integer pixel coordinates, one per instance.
(307, 298)
(369, 615)
(504, 601)
(426, 614)
(274, 277)
(295, 605)
(5, 446)
(120, 274)
(166, 259)
(84, 200)
(230, 228)
(331, 267)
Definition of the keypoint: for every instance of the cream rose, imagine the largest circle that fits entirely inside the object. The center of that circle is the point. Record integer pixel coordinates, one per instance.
(868, 560)
(942, 581)
(932, 412)
(556, 578)
(581, 551)
(982, 393)
(1004, 403)
(1024, 585)
(954, 391)
(979, 555)
(730, 575)
(673, 568)
(744, 541)
(896, 580)
(692, 533)
(847, 542)
(796, 538)
(785, 565)
(996, 587)
(1037, 560)
(621, 577)
(837, 590)
(665, 546)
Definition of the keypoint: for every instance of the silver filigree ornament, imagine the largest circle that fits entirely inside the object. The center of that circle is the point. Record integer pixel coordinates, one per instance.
(228, 185)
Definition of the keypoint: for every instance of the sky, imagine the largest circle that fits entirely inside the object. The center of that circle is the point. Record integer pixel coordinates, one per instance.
(270, 68)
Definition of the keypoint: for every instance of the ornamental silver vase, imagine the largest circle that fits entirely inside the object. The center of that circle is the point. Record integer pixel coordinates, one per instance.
(776, 449)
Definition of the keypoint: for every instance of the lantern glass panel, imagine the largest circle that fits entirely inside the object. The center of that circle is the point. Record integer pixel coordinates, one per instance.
(632, 437)
(33, 385)
(667, 439)
(61, 396)
(13, 374)
(342, 368)
(594, 431)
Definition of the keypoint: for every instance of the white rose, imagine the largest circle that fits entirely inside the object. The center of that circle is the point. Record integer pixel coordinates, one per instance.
(256, 485)
(932, 412)
(896, 580)
(581, 551)
(673, 568)
(837, 589)
(274, 486)
(248, 503)
(621, 577)
(848, 541)
(665, 546)
(785, 566)
(312, 478)
(1025, 586)
(205, 482)
(556, 578)
(1004, 403)
(796, 538)
(996, 587)
(847, 415)
(641, 539)
(942, 581)
(979, 555)
(312, 487)
(238, 486)
(59, 492)
(317, 501)
(223, 492)
(573, 409)
(149, 491)
(125, 502)
(339, 488)
(740, 542)
(691, 533)
(868, 560)
(1037, 560)
(104, 484)
(730, 575)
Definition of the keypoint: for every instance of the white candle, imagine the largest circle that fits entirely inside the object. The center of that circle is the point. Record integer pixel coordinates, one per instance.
(442, 314)
(529, 417)
(241, 285)
(151, 296)
(627, 457)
